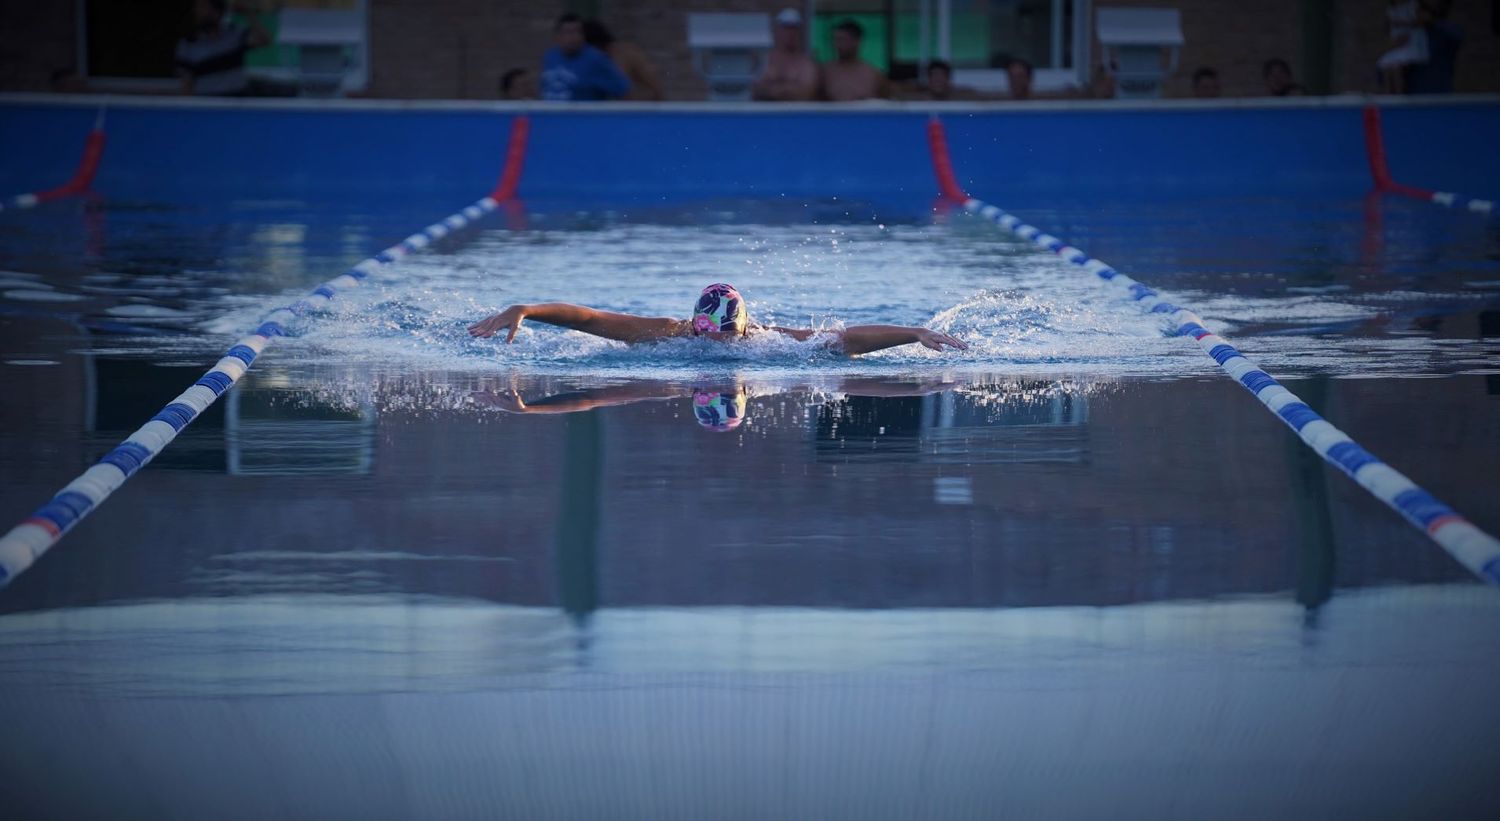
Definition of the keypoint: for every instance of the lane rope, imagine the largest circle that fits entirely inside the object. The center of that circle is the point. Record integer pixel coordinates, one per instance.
(83, 175)
(1472, 547)
(36, 534)
(1381, 174)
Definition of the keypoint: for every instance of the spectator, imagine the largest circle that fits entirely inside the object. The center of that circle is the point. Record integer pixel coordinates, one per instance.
(1206, 83)
(1103, 86)
(211, 60)
(1020, 74)
(518, 84)
(645, 83)
(940, 84)
(790, 75)
(847, 77)
(1443, 40)
(575, 70)
(1278, 76)
(1410, 42)
(67, 81)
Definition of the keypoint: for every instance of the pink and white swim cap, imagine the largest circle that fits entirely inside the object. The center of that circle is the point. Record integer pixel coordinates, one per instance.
(720, 309)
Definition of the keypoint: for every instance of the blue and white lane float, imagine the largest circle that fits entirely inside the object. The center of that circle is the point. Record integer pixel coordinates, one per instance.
(1462, 202)
(1472, 547)
(27, 541)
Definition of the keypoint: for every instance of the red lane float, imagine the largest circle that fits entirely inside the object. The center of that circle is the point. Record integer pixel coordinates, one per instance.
(83, 176)
(515, 159)
(1380, 173)
(942, 163)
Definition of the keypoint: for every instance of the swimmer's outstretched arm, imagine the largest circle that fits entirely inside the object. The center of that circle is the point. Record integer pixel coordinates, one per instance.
(858, 339)
(510, 399)
(610, 325)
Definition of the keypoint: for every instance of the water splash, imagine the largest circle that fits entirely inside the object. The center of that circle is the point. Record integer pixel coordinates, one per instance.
(1018, 308)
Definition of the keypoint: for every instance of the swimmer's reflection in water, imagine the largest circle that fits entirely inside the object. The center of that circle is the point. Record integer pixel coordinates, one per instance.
(718, 408)
(720, 314)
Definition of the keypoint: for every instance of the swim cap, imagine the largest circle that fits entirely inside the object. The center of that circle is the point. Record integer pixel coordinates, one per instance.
(720, 308)
(719, 411)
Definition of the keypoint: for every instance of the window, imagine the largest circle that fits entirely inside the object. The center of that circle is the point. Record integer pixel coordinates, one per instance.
(977, 36)
(131, 40)
(132, 46)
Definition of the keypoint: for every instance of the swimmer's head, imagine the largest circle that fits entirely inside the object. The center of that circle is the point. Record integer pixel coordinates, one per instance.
(720, 312)
(719, 411)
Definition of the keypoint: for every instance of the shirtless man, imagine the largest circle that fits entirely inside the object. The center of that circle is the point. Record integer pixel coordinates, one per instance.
(211, 60)
(940, 83)
(645, 81)
(790, 75)
(1020, 75)
(847, 77)
(1279, 81)
(720, 314)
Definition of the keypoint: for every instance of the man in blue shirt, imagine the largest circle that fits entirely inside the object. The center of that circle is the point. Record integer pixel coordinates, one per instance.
(574, 70)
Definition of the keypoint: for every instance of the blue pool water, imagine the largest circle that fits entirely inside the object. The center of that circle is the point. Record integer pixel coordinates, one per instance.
(1071, 572)
(1328, 287)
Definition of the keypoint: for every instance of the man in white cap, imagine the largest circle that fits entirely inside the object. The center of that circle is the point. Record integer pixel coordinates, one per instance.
(790, 75)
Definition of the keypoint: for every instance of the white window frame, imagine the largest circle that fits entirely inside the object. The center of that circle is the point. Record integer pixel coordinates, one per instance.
(357, 80)
(1048, 78)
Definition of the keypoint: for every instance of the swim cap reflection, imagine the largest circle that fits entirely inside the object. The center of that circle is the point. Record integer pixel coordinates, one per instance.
(720, 308)
(719, 411)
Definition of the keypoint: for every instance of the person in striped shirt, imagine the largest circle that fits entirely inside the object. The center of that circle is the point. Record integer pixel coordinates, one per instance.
(211, 61)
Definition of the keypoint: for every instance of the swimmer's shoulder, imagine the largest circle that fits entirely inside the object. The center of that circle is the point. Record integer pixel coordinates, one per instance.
(656, 328)
(800, 334)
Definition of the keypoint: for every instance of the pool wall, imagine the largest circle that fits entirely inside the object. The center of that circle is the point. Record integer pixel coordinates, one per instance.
(171, 149)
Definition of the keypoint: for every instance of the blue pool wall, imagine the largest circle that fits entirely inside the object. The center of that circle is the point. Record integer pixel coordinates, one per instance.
(171, 150)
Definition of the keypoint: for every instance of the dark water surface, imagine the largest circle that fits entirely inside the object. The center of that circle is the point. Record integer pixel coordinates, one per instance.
(1074, 573)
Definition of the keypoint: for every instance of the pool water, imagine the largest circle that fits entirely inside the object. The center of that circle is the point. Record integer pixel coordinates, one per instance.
(1071, 571)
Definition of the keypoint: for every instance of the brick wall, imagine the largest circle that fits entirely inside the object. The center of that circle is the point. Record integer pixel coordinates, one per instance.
(1237, 37)
(660, 28)
(36, 39)
(459, 48)
(454, 48)
(1361, 37)
(1231, 36)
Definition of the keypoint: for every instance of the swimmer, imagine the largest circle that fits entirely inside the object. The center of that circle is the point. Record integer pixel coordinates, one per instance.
(720, 314)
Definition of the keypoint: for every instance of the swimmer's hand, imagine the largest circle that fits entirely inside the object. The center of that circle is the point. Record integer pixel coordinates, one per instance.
(509, 318)
(937, 339)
